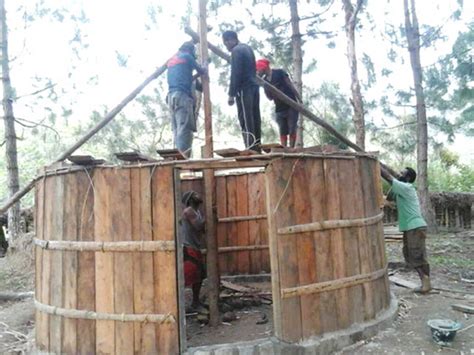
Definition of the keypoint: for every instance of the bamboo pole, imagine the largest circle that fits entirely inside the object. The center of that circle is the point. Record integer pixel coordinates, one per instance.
(108, 117)
(333, 284)
(131, 246)
(239, 248)
(331, 224)
(85, 314)
(297, 106)
(241, 218)
(209, 180)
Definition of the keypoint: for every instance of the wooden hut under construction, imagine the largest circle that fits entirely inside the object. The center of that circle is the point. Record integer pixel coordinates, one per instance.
(109, 275)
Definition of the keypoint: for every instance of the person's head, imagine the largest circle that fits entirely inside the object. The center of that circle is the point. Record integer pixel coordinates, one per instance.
(230, 39)
(188, 47)
(262, 66)
(191, 198)
(408, 175)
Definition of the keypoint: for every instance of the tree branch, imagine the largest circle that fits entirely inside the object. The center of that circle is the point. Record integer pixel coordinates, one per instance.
(35, 124)
(37, 91)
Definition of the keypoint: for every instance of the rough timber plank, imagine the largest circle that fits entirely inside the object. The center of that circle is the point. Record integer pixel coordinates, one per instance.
(333, 199)
(243, 257)
(123, 262)
(302, 188)
(221, 201)
(71, 213)
(284, 211)
(232, 227)
(263, 224)
(350, 209)
(145, 338)
(166, 298)
(56, 233)
(104, 262)
(42, 328)
(255, 202)
(86, 329)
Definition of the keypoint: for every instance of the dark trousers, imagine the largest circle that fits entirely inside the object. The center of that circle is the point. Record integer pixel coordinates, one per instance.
(248, 110)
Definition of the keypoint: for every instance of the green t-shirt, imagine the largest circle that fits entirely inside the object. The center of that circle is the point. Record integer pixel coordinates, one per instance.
(408, 207)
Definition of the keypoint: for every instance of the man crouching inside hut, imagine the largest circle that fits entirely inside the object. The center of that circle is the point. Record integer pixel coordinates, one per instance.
(411, 223)
(191, 231)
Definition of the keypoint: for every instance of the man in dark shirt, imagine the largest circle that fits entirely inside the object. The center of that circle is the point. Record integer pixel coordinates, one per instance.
(180, 98)
(244, 88)
(286, 116)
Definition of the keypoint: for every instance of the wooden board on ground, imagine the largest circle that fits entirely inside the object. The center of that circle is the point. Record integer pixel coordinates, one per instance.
(171, 154)
(463, 308)
(239, 288)
(402, 282)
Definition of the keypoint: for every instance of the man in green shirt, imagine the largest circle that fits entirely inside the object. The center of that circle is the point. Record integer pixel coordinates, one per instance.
(411, 223)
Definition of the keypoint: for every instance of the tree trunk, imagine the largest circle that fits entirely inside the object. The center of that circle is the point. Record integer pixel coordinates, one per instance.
(413, 38)
(357, 102)
(10, 134)
(297, 62)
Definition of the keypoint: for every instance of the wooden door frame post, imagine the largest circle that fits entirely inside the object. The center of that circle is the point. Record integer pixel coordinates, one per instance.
(209, 180)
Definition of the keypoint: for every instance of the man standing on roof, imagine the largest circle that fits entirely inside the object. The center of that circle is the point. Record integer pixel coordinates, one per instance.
(243, 87)
(191, 230)
(411, 223)
(286, 116)
(180, 98)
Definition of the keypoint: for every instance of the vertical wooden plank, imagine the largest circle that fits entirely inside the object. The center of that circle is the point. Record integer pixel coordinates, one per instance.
(143, 289)
(271, 201)
(232, 227)
(71, 219)
(332, 168)
(42, 328)
(221, 201)
(306, 256)
(165, 262)
(121, 214)
(350, 209)
(255, 193)
(284, 215)
(243, 257)
(367, 264)
(56, 233)
(104, 262)
(263, 224)
(86, 293)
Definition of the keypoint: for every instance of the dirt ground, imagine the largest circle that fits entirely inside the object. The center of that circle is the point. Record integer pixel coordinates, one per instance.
(450, 255)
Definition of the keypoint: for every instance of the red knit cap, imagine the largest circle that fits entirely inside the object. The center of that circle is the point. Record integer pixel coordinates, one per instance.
(262, 64)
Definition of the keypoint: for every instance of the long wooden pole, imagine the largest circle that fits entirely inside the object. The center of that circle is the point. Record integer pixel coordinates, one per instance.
(108, 117)
(209, 180)
(297, 106)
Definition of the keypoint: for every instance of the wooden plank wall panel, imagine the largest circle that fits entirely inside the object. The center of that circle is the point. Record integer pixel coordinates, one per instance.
(302, 194)
(56, 272)
(332, 168)
(351, 208)
(104, 262)
(243, 257)
(121, 215)
(263, 224)
(232, 230)
(166, 298)
(287, 248)
(71, 221)
(255, 196)
(42, 329)
(145, 335)
(86, 329)
(222, 233)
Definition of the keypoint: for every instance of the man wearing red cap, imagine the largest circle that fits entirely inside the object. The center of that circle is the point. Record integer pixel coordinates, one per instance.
(286, 116)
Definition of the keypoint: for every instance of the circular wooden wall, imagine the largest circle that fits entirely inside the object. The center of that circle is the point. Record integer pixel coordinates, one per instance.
(326, 244)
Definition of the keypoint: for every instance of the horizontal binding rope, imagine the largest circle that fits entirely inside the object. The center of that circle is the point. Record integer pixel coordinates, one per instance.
(241, 218)
(239, 248)
(331, 224)
(84, 314)
(332, 285)
(129, 246)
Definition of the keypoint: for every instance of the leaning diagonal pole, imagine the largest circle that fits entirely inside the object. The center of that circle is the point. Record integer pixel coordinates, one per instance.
(297, 106)
(108, 117)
